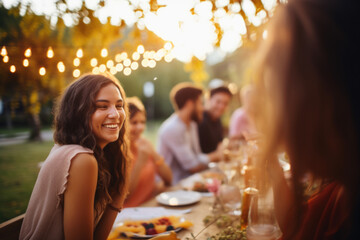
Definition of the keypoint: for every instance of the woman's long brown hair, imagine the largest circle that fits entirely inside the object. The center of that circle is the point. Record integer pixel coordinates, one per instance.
(307, 97)
(73, 126)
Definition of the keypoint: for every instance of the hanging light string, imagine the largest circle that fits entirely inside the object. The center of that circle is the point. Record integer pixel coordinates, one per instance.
(121, 62)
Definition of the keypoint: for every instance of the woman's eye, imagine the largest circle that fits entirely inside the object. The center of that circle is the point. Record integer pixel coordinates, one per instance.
(119, 106)
(101, 106)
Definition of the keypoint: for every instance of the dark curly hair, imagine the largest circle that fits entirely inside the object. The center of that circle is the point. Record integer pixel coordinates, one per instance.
(73, 126)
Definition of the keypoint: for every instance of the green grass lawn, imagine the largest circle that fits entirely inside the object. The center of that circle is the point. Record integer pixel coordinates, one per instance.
(19, 170)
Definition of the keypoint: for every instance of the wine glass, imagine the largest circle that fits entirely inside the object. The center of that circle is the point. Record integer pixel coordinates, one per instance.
(230, 199)
(262, 224)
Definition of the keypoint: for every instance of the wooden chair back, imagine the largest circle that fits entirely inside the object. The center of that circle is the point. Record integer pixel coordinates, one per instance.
(10, 230)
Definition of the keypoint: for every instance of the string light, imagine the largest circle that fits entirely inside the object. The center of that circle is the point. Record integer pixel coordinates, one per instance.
(76, 62)
(76, 73)
(42, 71)
(127, 62)
(146, 54)
(141, 49)
(118, 57)
(145, 62)
(79, 53)
(168, 58)
(122, 61)
(93, 62)
(123, 55)
(113, 70)
(12, 68)
(61, 67)
(3, 51)
(110, 63)
(127, 71)
(27, 53)
(134, 65)
(136, 56)
(104, 52)
(102, 68)
(151, 54)
(119, 67)
(50, 52)
(96, 70)
(152, 63)
(6, 59)
(168, 46)
(26, 62)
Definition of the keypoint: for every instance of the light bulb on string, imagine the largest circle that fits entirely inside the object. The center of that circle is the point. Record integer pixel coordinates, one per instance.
(152, 63)
(136, 56)
(79, 53)
(104, 52)
(50, 52)
(109, 64)
(141, 49)
(76, 62)
(42, 71)
(127, 62)
(6, 59)
(168, 46)
(12, 68)
(76, 73)
(145, 62)
(119, 67)
(96, 70)
(3, 51)
(102, 68)
(127, 71)
(93, 62)
(113, 70)
(26, 62)
(61, 67)
(27, 53)
(134, 65)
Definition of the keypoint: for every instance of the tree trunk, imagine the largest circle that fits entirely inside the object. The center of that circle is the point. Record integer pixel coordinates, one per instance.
(35, 134)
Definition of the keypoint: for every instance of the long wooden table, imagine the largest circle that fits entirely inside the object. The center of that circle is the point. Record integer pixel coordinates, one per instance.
(198, 212)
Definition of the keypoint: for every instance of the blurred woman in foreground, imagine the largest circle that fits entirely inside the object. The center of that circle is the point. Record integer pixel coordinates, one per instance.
(146, 162)
(82, 184)
(307, 106)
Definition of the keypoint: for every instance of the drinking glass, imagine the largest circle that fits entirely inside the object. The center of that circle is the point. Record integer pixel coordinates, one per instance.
(262, 224)
(230, 199)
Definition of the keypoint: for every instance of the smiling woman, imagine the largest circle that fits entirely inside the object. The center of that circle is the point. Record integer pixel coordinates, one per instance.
(83, 182)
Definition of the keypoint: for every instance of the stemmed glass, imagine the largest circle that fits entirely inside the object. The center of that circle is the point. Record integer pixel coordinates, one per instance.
(262, 224)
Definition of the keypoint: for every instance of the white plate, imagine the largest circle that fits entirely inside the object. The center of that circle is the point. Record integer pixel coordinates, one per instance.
(178, 198)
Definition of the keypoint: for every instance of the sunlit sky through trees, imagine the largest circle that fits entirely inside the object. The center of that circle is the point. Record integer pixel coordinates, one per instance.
(192, 26)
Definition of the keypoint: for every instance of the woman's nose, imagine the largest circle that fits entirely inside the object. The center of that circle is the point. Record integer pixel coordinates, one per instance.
(113, 113)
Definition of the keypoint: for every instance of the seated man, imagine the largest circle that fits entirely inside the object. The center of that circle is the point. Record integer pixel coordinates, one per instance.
(178, 136)
(210, 128)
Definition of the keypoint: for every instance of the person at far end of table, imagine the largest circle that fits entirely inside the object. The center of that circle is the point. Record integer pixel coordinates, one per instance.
(178, 139)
